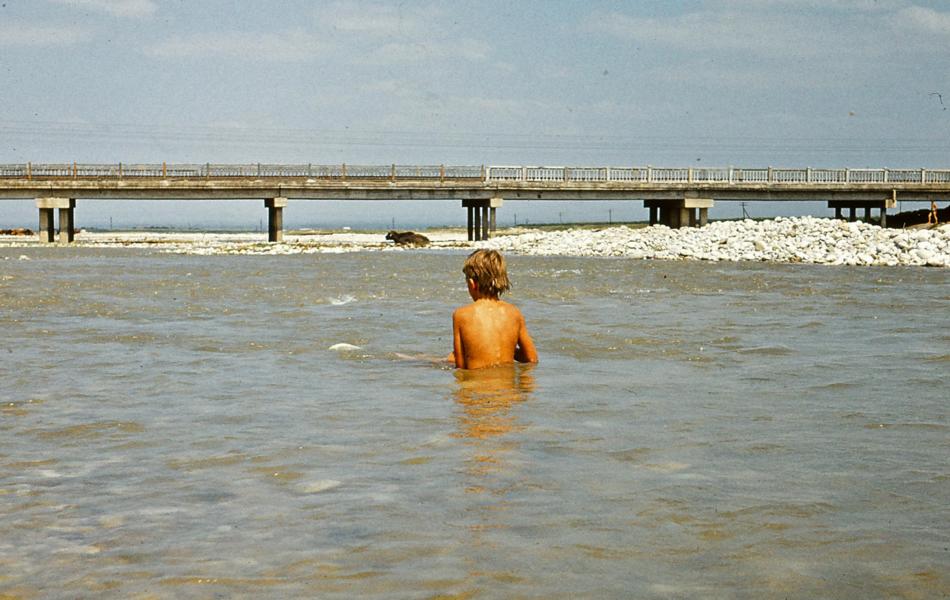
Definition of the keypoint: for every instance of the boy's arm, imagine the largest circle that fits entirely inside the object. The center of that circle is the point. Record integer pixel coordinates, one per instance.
(456, 357)
(525, 352)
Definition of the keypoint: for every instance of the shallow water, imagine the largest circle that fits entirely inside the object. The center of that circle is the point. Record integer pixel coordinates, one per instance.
(177, 426)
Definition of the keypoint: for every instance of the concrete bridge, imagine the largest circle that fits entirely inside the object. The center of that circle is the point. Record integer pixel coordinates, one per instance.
(676, 197)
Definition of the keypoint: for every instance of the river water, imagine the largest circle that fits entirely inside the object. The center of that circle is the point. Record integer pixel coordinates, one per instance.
(178, 427)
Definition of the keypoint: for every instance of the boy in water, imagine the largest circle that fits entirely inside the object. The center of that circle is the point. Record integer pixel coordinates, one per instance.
(489, 331)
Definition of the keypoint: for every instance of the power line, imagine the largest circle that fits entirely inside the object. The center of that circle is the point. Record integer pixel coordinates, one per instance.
(285, 137)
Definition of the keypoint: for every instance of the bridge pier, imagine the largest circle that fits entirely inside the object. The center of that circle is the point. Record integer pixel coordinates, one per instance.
(688, 212)
(867, 205)
(477, 224)
(482, 219)
(47, 229)
(275, 218)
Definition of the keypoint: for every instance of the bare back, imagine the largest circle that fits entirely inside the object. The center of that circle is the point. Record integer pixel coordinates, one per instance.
(490, 332)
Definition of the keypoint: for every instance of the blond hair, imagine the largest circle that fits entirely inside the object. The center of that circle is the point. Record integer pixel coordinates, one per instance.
(487, 269)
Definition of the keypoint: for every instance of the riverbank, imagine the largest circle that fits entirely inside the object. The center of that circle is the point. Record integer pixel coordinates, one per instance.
(784, 239)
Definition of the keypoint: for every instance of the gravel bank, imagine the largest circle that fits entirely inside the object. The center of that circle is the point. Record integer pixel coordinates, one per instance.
(793, 240)
(790, 240)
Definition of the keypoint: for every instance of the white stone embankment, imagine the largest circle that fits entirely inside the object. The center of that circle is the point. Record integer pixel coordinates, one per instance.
(794, 240)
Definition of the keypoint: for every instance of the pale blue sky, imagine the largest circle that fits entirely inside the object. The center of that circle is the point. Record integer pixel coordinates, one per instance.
(717, 82)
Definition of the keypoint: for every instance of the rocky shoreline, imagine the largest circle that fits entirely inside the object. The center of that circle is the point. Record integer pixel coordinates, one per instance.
(784, 239)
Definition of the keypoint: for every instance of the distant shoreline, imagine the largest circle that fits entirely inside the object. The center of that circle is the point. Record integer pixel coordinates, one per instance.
(781, 240)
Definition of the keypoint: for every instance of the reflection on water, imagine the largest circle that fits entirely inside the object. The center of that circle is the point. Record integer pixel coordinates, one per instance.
(487, 396)
(486, 399)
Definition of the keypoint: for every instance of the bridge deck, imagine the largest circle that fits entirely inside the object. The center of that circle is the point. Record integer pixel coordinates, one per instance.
(674, 195)
(398, 182)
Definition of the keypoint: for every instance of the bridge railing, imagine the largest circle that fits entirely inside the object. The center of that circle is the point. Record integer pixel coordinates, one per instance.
(262, 170)
(730, 175)
(497, 174)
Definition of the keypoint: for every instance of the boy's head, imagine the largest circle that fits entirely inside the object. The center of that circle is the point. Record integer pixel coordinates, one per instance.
(487, 269)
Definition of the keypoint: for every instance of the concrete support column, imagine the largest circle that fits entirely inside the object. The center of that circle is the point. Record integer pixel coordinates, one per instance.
(683, 217)
(838, 214)
(493, 205)
(470, 221)
(654, 214)
(888, 203)
(852, 213)
(47, 227)
(867, 214)
(66, 207)
(66, 233)
(673, 216)
(275, 218)
(703, 216)
(478, 224)
(485, 222)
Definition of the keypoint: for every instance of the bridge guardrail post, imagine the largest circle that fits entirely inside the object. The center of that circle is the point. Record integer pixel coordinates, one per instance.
(649, 174)
(923, 176)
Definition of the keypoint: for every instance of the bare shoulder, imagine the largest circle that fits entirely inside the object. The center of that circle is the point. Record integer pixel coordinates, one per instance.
(513, 310)
(462, 313)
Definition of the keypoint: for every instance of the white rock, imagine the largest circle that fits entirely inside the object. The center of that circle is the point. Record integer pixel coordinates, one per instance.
(923, 254)
(343, 347)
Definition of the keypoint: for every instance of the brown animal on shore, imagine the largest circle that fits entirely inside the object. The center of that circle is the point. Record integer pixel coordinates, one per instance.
(407, 238)
(17, 231)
